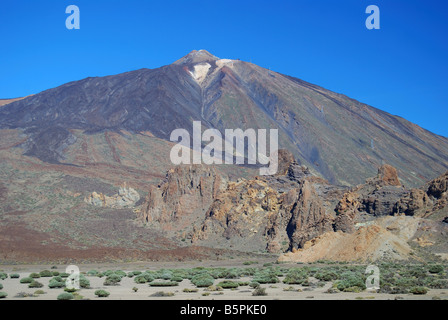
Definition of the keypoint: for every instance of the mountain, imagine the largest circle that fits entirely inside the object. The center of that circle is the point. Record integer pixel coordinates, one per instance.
(85, 170)
(338, 138)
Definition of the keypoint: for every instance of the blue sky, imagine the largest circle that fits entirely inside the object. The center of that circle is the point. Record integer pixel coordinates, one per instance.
(401, 68)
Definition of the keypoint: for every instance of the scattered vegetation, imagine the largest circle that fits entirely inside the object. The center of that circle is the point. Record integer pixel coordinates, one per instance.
(162, 294)
(35, 284)
(259, 292)
(102, 293)
(65, 296)
(26, 280)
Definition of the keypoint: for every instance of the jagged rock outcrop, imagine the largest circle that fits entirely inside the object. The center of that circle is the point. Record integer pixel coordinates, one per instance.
(377, 197)
(182, 198)
(274, 212)
(433, 197)
(126, 198)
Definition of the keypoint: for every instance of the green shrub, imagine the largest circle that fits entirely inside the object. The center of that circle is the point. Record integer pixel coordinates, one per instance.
(187, 290)
(259, 292)
(140, 279)
(162, 294)
(326, 275)
(438, 284)
(228, 284)
(435, 268)
(34, 275)
(71, 290)
(55, 273)
(418, 290)
(120, 273)
(296, 276)
(202, 280)
(102, 293)
(3, 276)
(254, 285)
(64, 275)
(3, 295)
(26, 280)
(84, 282)
(39, 292)
(53, 284)
(35, 284)
(351, 282)
(14, 276)
(112, 280)
(65, 296)
(93, 273)
(1, 286)
(46, 274)
(266, 277)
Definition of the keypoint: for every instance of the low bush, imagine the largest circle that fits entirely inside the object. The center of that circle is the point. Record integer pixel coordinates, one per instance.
(14, 275)
(26, 280)
(65, 296)
(84, 282)
(102, 293)
(418, 290)
(112, 280)
(228, 284)
(162, 294)
(46, 274)
(351, 282)
(202, 280)
(435, 268)
(259, 292)
(34, 275)
(3, 295)
(35, 284)
(140, 279)
(3, 276)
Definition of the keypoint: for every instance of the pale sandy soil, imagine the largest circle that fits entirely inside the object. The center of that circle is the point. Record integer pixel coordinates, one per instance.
(124, 290)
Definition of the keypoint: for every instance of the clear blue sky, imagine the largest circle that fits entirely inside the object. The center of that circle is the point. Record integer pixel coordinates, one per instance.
(401, 68)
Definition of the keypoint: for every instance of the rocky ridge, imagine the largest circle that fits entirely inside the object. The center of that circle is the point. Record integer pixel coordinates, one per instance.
(292, 211)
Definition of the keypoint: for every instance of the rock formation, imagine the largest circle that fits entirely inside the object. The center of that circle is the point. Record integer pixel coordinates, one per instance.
(126, 198)
(182, 198)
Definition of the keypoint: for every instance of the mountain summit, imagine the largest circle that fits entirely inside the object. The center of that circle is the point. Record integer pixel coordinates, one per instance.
(338, 138)
(196, 57)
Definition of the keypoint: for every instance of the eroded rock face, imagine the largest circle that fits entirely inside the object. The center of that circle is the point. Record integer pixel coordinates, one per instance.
(276, 213)
(126, 198)
(273, 213)
(428, 200)
(377, 197)
(182, 198)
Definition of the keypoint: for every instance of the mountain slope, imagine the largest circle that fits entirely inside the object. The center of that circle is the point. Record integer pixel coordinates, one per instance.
(339, 138)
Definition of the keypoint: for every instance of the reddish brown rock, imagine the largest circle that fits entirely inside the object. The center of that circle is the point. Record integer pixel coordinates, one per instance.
(182, 199)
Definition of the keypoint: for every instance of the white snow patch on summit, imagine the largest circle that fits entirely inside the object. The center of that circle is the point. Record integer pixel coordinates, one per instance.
(200, 72)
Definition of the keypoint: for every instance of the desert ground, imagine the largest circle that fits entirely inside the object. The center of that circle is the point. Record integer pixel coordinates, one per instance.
(128, 289)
